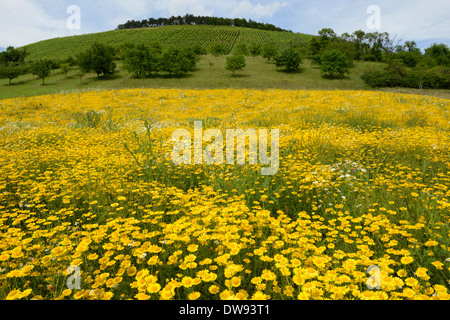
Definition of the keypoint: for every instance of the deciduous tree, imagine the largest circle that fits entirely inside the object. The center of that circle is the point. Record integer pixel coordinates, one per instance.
(290, 60)
(334, 63)
(235, 63)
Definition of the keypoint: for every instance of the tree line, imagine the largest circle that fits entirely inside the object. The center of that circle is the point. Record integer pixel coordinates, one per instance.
(190, 19)
(140, 60)
(406, 64)
(334, 64)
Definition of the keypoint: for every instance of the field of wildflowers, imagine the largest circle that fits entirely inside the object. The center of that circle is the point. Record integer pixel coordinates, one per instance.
(86, 180)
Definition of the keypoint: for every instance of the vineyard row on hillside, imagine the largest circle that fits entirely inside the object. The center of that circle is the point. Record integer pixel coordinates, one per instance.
(181, 36)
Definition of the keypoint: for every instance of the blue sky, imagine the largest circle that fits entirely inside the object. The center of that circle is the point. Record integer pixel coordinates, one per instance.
(27, 21)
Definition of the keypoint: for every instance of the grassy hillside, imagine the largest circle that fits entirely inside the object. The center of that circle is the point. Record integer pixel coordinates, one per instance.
(210, 73)
(60, 48)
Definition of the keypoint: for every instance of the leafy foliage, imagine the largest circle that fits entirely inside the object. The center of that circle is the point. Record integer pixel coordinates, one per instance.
(145, 61)
(235, 63)
(12, 71)
(217, 49)
(99, 59)
(142, 60)
(255, 49)
(190, 19)
(182, 36)
(334, 64)
(440, 53)
(290, 60)
(65, 67)
(435, 78)
(269, 51)
(42, 69)
(174, 61)
(12, 55)
(241, 49)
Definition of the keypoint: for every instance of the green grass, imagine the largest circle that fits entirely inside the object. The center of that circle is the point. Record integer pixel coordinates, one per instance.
(210, 73)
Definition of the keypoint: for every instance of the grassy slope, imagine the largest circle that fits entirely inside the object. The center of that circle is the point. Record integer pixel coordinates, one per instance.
(60, 48)
(211, 73)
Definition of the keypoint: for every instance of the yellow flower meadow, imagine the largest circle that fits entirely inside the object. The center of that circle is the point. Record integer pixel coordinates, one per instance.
(359, 208)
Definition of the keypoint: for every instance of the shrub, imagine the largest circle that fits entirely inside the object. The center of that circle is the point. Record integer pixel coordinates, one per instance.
(379, 79)
(42, 69)
(396, 67)
(409, 59)
(255, 49)
(99, 58)
(436, 78)
(290, 59)
(217, 49)
(234, 63)
(269, 51)
(334, 64)
(241, 49)
(12, 71)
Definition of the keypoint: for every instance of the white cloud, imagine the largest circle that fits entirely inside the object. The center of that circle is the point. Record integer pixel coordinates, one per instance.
(418, 20)
(422, 21)
(229, 9)
(27, 21)
(182, 7)
(133, 9)
(246, 8)
(23, 21)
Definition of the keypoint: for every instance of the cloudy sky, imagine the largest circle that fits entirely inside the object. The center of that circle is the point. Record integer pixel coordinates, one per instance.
(27, 21)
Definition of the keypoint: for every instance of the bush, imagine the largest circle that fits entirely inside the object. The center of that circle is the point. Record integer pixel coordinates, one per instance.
(42, 69)
(409, 59)
(141, 60)
(241, 49)
(234, 63)
(175, 62)
(442, 76)
(289, 59)
(199, 50)
(436, 78)
(12, 71)
(255, 49)
(269, 50)
(99, 59)
(334, 64)
(440, 53)
(346, 47)
(217, 49)
(380, 79)
(396, 67)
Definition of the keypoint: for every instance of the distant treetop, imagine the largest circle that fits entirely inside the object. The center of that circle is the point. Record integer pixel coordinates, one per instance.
(190, 19)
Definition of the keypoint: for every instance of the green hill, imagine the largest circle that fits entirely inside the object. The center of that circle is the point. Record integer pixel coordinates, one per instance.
(185, 35)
